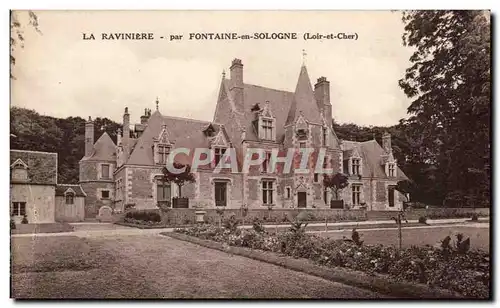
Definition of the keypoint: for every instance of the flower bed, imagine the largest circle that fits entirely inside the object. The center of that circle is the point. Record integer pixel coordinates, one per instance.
(450, 266)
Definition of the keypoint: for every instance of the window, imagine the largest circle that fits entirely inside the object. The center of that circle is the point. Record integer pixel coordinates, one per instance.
(104, 194)
(325, 162)
(163, 191)
(18, 208)
(355, 164)
(288, 192)
(266, 164)
(316, 178)
(19, 171)
(105, 171)
(356, 194)
(391, 190)
(163, 151)
(324, 136)
(267, 129)
(220, 193)
(302, 144)
(70, 198)
(267, 192)
(391, 170)
(218, 154)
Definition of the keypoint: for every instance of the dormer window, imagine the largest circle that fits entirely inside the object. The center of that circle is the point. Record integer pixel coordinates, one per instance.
(355, 166)
(19, 171)
(218, 155)
(163, 152)
(267, 129)
(70, 197)
(391, 168)
(302, 133)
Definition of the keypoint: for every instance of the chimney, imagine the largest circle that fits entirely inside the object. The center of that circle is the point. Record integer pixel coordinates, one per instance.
(237, 85)
(322, 95)
(126, 127)
(118, 136)
(386, 142)
(89, 137)
(145, 117)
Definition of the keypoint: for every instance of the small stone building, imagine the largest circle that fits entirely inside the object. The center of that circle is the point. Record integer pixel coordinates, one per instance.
(32, 186)
(70, 203)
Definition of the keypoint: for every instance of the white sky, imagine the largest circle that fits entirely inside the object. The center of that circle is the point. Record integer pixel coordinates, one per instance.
(59, 74)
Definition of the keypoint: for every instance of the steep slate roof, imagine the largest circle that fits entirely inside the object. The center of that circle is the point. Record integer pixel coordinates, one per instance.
(62, 188)
(303, 101)
(371, 153)
(182, 132)
(42, 166)
(279, 103)
(104, 149)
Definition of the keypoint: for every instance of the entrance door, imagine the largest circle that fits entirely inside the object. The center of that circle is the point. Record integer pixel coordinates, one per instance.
(301, 199)
(391, 196)
(220, 194)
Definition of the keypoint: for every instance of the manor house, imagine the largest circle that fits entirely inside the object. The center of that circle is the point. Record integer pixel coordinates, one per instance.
(246, 116)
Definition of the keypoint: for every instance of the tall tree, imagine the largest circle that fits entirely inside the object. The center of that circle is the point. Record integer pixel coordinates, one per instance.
(17, 32)
(449, 82)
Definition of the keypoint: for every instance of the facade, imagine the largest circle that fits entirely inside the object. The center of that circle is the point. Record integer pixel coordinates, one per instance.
(246, 117)
(32, 186)
(69, 203)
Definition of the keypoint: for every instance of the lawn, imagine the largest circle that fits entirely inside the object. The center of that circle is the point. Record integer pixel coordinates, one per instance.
(479, 237)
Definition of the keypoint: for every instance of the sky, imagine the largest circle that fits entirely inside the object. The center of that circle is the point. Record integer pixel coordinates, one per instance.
(57, 73)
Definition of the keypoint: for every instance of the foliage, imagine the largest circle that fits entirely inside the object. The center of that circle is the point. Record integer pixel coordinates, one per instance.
(17, 32)
(12, 224)
(66, 137)
(257, 225)
(475, 217)
(25, 220)
(336, 182)
(449, 82)
(143, 216)
(453, 214)
(179, 178)
(406, 187)
(422, 220)
(231, 223)
(356, 238)
(457, 269)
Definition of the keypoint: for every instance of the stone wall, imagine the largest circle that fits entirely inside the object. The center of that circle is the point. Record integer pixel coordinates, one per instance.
(94, 200)
(40, 202)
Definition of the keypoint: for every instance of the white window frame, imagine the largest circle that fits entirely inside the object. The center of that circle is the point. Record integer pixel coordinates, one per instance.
(16, 208)
(267, 128)
(163, 151)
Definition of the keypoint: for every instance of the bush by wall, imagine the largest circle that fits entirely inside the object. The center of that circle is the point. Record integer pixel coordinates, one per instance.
(145, 216)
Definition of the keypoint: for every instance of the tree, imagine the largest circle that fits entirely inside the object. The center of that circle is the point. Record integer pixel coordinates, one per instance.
(17, 32)
(406, 187)
(180, 178)
(336, 183)
(449, 83)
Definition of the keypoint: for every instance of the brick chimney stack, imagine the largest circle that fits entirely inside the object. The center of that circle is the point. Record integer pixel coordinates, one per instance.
(322, 95)
(89, 137)
(237, 85)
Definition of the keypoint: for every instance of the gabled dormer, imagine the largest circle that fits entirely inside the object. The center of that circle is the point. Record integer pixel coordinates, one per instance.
(353, 162)
(19, 171)
(301, 129)
(388, 162)
(264, 122)
(219, 144)
(162, 146)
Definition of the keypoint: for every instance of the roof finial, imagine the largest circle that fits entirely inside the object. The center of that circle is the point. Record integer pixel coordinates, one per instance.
(223, 74)
(157, 102)
(304, 54)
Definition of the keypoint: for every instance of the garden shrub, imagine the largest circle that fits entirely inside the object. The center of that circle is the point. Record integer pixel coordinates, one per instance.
(356, 238)
(450, 266)
(25, 220)
(144, 216)
(422, 220)
(12, 224)
(257, 225)
(475, 217)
